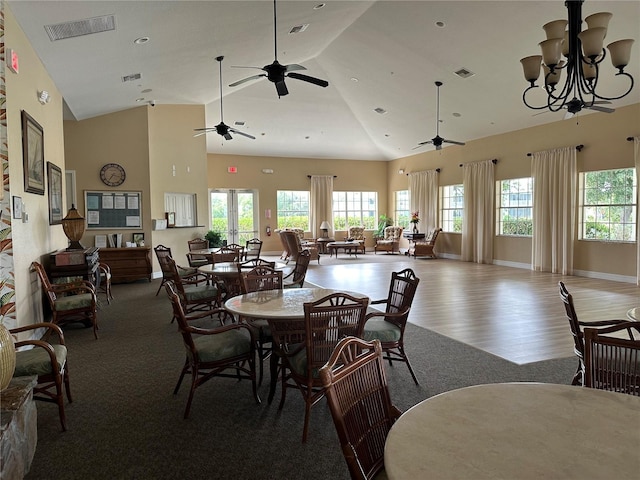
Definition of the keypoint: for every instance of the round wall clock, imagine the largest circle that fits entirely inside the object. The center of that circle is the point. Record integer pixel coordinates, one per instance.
(112, 174)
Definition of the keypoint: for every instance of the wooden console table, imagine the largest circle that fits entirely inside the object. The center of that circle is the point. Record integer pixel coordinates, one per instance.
(127, 264)
(18, 428)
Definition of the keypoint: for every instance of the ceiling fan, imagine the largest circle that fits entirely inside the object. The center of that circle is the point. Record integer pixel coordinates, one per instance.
(575, 105)
(276, 72)
(437, 141)
(222, 128)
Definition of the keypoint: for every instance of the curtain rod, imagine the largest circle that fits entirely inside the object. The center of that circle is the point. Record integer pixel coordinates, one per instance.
(437, 170)
(494, 161)
(309, 176)
(629, 139)
(578, 147)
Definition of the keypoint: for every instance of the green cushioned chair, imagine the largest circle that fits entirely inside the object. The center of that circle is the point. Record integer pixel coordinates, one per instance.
(388, 326)
(212, 352)
(47, 361)
(187, 274)
(194, 297)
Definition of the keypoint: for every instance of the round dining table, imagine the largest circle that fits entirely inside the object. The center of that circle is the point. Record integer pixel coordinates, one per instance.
(517, 431)
(278, 304)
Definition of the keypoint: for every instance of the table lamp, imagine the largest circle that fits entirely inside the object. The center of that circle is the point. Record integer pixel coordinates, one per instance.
(73, 226)
(324, 226)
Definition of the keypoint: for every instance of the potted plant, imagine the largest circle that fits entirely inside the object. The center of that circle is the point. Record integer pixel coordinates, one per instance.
(214, 238)
(382, 224)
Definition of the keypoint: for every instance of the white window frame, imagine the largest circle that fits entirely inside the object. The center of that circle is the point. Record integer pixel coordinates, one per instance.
(516, 204)
(451, 207)
(354, 204)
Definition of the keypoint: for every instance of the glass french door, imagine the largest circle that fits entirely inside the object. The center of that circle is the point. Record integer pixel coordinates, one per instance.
(234, 213)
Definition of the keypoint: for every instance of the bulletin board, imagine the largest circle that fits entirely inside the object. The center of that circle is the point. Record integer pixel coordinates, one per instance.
(113, 209)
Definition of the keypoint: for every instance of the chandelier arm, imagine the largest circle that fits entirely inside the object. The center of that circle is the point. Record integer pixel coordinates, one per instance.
(631, 83)
(524, 99)
(557, 102)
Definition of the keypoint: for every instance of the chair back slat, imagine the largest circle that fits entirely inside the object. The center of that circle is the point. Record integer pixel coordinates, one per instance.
(261, 278)
(253, 248)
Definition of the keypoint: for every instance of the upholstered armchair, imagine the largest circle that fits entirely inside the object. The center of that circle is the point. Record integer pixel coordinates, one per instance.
(293, 242)
(357, 234)
(425, 247)
(390, 243)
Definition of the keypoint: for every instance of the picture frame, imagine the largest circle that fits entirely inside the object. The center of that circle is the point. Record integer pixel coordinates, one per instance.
(54, 185)
(138, 239)
(171, 219)
(32, 154)
(17, 207)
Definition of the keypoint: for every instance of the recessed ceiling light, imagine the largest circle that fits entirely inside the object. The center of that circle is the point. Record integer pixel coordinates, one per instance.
(319, 6)
(441, 24)
(456, 114)
(239, 123)
(387, 135)
(380, 110)
(141, 40)
(354, 79)
(146, 90)
(141, 99)
(298, 28)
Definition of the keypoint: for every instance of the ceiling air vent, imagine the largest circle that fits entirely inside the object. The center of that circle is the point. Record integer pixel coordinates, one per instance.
(298, 28)
(239, 123)
(132, 78)
(464, 73)
(78, 28)
(380, 110)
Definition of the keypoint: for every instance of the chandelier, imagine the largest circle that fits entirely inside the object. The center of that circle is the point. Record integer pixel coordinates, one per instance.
(583, 53)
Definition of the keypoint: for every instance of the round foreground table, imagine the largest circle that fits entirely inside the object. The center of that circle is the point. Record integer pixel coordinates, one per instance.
(634, 314)
(517, 431)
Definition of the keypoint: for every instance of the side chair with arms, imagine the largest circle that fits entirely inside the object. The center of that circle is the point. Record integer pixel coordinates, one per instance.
(613, 363)
(389, 326)
(70, 302)
(295, 279)
(577, 333)
(197, 260)
(237, 248)
(105, 280)
(261, 278)
(194, 297)
(356, 234)
(304, 346)
(295, 246)
(48, 361)
(390, 242)
(188, 274)
(211, 352)
(358, 396)
(252, 249)
(425, 248)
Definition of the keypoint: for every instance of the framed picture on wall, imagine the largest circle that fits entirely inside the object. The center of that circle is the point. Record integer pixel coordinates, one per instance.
(17, 207)
(171, 219)
(32, 154)
(54, 184)
(138, 239)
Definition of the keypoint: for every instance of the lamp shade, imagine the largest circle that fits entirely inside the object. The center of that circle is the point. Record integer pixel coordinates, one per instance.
(531, 67)
(551, 51)
(592, 40)
(620, 52)
(325, 225)
(73, 226)
(555, 29)
(599, 20)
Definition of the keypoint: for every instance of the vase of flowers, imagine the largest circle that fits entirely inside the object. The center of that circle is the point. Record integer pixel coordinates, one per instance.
(415, 218)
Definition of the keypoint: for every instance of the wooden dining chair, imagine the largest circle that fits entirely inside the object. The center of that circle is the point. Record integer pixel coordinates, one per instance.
(389, 326)
(196, 259)
(195, 297)
(612, 362)
(253, 247)
(188, 274)
(576, 327)
(358, 396)
(261, 278)
(212, 352)
(295, 279)
(305, 345)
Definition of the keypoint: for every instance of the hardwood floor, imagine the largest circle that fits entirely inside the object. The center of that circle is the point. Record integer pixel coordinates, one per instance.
(513, 313)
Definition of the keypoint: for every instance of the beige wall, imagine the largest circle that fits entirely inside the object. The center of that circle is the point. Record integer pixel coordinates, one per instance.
(35, 238)
(292, 174)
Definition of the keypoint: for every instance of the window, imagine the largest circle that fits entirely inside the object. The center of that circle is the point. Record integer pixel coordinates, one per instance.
(293, 209)
(402, 208)
(184, 206)
(352, 209)
(609, 202)
(452, 201)
(515, 211)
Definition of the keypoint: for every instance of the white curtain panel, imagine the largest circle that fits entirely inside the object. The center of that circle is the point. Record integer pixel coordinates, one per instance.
(423, 194)
(321, 203)
(636, 153)
(477, 224)
(554, 219)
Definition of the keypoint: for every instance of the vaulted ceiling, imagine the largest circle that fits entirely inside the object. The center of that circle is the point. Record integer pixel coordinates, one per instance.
(383, 55)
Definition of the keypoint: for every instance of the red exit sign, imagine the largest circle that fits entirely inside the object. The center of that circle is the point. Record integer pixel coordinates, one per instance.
(232, 169)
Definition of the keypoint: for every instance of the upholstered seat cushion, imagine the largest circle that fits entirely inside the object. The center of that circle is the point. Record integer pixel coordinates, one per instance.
(298, 362)
(212, 348)
(200, 292)
(262, 325)
(378, 327)
(183, 272)
(36, 361)
(71, 302)
(385, 242)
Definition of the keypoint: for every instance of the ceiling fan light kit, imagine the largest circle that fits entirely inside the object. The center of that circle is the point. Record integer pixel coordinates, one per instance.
(222, 128)
(583, 53)
(276, 72)
(437, 141)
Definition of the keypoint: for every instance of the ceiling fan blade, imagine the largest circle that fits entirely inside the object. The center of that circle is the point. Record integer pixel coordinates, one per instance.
(601, 109)
(307, 78)
(248, 79)
(238, 132)
(281, 88)
(227, 136)
(204, 132)
(568, 115)
(422, 144)
(243, 66)
(454, 142)
(293, 66)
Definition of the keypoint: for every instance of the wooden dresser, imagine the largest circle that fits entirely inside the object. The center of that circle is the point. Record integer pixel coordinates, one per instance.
(127, 264)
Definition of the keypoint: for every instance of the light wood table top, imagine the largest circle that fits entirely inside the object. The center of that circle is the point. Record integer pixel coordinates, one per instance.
(634, 314)
(223, 269)
(517, 431)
